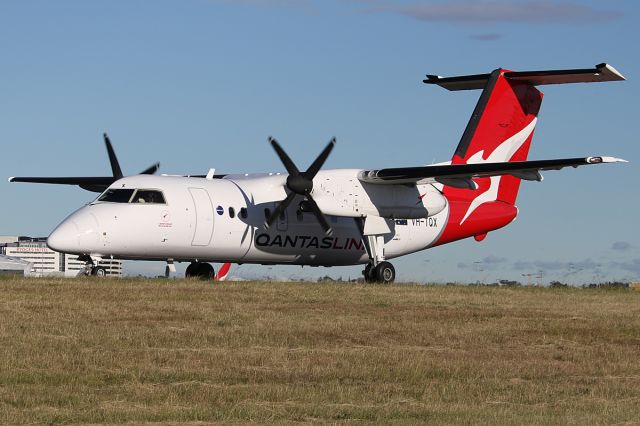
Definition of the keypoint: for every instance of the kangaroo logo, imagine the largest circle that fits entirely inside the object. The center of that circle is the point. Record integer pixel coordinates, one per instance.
(504, 152)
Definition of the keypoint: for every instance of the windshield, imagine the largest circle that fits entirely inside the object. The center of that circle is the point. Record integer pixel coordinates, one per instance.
(116, 195)
(148, 196)
(122, 195)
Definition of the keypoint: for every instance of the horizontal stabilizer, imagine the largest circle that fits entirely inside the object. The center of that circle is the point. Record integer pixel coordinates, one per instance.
(600, 73)
(461, 174)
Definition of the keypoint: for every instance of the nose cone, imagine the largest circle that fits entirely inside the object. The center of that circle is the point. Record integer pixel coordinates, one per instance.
(77, 234)
(64, 238)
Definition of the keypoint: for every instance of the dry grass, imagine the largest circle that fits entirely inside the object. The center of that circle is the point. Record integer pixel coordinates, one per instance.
(117, 351)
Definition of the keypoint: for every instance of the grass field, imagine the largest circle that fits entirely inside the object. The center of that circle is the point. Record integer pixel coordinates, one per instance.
(116, 351)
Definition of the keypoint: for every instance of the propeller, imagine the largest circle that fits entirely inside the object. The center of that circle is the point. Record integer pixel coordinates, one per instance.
(115, 165)
(301, 183)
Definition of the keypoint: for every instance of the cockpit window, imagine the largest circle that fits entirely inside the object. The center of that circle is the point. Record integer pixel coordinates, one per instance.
(116, 195)
(142, 196)
(148, 196)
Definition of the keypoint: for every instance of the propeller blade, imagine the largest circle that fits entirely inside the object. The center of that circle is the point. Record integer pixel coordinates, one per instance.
(301, 183)
(115, 166)
(280, 209)
(319, 215)
(151, 170)
(288, 164)
(317, 164)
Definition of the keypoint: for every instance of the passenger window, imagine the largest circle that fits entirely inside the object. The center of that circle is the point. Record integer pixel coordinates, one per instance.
(116, 195)
(147, 196)
(232, 212)
(243, 213)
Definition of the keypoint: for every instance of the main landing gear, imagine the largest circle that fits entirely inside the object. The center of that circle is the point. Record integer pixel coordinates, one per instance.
(383, 272)
(201, 270)
(378, 270)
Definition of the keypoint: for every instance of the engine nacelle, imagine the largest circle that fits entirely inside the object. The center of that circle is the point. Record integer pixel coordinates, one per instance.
(406, 202)
(357, 199)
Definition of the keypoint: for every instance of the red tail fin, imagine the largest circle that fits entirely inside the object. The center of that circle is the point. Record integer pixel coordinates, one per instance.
(500, 130)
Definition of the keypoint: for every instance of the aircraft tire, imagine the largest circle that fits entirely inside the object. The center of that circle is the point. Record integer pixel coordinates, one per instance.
(385, 273)
(201, 270)
(369, 273)
(98, 271)
(191, 270)
(205, 271)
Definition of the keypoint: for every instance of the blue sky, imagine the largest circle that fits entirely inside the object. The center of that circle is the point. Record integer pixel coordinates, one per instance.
(196, 84)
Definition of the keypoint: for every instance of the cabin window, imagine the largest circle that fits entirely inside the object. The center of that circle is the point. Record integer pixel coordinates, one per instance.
(148, 196)
(243, 213)
(232, 212)
(116, 195)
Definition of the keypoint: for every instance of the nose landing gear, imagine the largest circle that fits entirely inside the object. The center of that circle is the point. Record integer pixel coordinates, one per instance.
(98, 271)
(92, 267)
(201, 270)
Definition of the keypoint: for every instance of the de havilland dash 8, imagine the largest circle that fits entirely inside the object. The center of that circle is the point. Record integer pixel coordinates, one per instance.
(326, 217)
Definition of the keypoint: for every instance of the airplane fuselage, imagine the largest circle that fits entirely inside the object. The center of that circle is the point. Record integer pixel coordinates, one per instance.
(222, 220)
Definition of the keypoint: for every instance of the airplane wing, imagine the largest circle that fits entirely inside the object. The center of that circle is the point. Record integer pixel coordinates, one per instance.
(94, 184)
(91, 183)
(461, 175)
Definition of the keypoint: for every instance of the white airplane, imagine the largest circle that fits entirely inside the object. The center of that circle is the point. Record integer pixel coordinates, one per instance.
(327, 217)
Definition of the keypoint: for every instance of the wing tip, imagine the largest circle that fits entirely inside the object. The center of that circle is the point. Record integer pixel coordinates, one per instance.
(615, 74)
(605, 159)
(10, 179)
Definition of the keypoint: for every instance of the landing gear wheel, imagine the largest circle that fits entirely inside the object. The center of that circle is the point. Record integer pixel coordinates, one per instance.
(206, 272)
(191, 270)
(384, 273)
(98, 271)
(201, 270)
(369, 273)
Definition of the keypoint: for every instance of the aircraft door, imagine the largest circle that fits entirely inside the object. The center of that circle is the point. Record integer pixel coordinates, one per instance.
(203, 217)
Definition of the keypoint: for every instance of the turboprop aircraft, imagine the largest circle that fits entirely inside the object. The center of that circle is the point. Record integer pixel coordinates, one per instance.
(327, 217)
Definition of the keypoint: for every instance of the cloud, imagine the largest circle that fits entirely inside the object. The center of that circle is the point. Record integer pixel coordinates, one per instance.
(498, 11)
(488, 263)
(555, 265)
(632, 266)
(621, 246)
(598, 269)
(522, 265)
(486, 37)
(493, 260)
